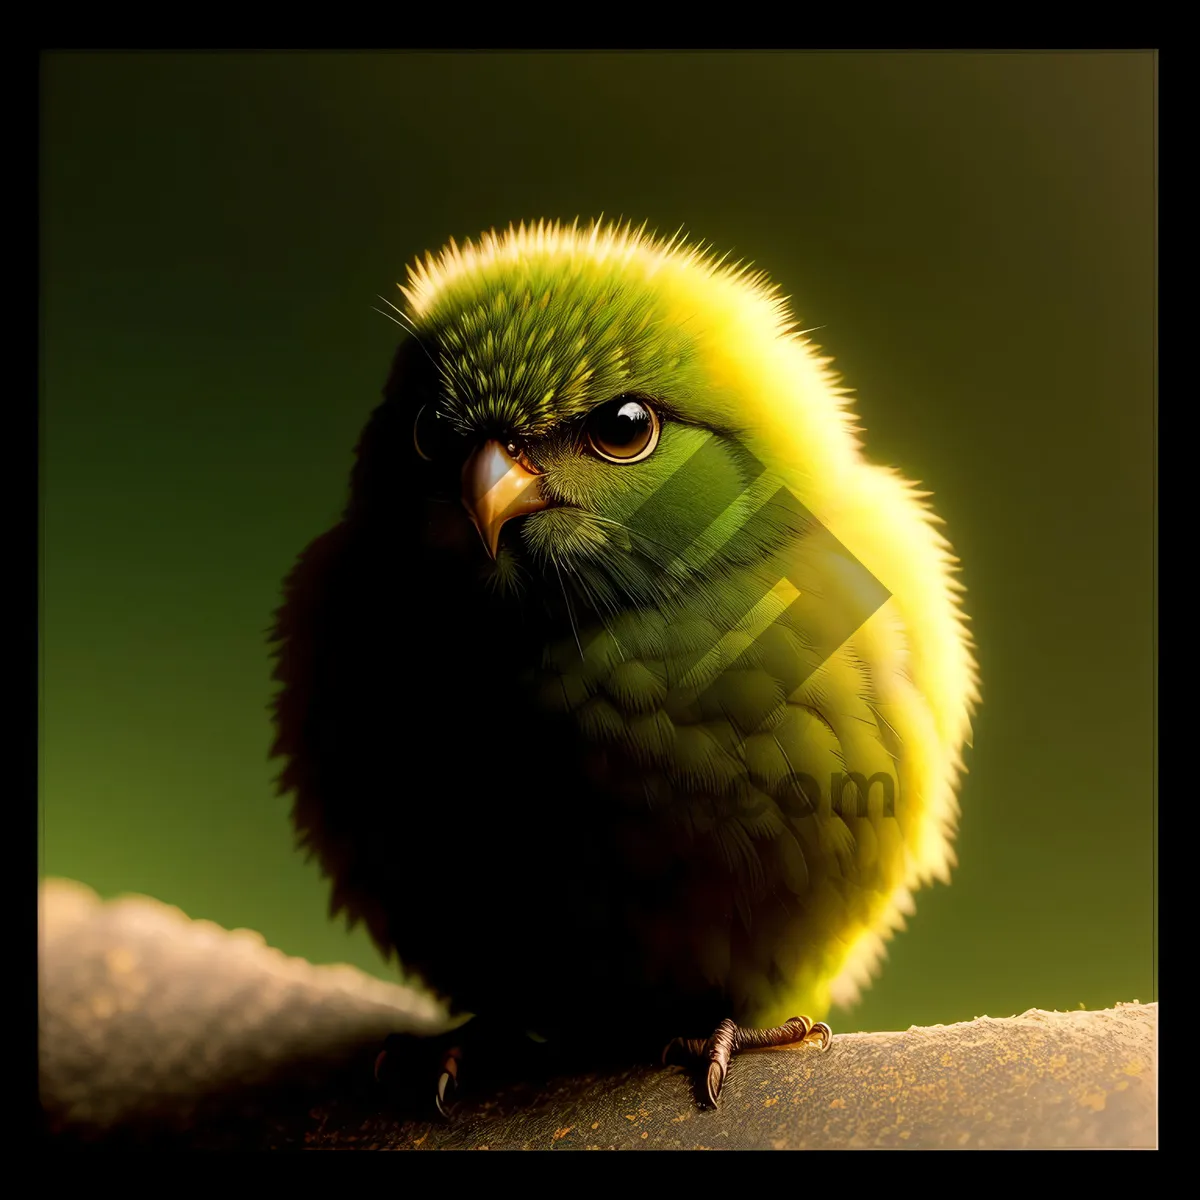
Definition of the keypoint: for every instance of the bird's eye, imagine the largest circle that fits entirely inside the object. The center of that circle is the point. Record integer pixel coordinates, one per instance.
(433, 436)
(624, 430)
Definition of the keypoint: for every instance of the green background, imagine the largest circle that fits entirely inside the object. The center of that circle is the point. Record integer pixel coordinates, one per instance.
(976, 234)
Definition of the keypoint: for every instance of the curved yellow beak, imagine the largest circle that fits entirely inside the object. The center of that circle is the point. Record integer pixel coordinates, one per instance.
(496, 488)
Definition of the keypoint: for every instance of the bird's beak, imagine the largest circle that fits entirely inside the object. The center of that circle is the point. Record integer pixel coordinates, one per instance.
(495, 488)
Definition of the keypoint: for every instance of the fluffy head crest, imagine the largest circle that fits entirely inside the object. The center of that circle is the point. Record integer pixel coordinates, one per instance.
(598, 244)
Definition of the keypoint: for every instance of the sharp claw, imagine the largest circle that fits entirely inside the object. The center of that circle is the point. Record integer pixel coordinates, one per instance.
(379, 1066)
(730, 1039)
(715, 1081)
(806, 1026)
(446, 1088)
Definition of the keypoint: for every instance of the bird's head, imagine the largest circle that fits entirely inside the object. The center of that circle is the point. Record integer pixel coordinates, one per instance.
(594, 413)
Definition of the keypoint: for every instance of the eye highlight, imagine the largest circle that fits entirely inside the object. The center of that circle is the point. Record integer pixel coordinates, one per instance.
(625, 430)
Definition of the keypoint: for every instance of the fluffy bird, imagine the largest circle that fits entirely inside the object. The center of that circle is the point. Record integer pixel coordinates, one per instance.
(626, 702)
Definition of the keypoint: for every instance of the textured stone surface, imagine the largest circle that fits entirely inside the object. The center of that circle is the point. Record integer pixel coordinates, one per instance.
(157, 1027)
(151, 1019)
(1041, 1080)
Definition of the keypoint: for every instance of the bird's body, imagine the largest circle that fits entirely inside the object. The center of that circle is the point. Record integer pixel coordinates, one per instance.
(597, 778)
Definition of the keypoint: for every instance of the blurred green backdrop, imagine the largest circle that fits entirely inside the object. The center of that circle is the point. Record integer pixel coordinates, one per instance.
(976, 234)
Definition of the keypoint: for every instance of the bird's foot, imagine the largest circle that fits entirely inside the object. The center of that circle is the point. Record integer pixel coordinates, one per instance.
(713, 1056)
(427, 1072)
(405, 1060)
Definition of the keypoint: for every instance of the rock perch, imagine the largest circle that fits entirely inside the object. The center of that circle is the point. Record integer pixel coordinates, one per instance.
(159, 1030)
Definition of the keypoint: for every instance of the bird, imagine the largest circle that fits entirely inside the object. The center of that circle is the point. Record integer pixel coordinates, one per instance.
(626, 702)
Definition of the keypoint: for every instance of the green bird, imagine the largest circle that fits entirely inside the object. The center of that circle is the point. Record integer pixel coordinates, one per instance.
(626, 702)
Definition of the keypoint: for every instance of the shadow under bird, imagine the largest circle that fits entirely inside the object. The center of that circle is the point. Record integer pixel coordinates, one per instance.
(626, 702)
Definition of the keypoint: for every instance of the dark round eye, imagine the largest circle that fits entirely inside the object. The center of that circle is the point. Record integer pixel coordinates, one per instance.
(624, 430)
(433, 436)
